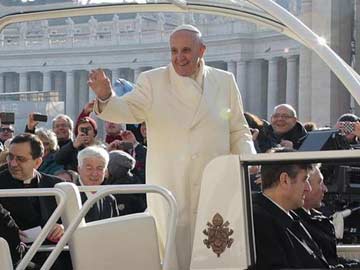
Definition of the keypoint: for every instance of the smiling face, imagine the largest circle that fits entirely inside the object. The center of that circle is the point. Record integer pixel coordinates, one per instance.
(283, 120)
(186, 52)
(92, 171)
(62, 129)
(20, 162)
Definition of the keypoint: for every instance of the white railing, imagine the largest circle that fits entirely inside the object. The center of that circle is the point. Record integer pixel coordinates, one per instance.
(103, 191)
(60, 196)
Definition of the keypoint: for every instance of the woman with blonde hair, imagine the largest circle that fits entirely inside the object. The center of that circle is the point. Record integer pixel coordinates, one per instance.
(50, 143)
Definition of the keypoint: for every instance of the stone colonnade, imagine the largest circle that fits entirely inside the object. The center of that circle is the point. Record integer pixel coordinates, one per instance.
(71, 84)
(263, 83)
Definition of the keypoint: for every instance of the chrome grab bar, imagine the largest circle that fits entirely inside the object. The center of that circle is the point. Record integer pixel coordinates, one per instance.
(118, 189)
(31, 192)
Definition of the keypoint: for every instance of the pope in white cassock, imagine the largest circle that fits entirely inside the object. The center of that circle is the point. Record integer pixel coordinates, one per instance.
(193, 113)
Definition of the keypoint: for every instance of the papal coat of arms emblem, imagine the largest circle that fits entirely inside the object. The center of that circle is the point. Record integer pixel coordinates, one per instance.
(218, 234)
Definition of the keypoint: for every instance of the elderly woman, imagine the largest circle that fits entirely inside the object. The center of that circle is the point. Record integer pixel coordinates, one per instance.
(49, 141)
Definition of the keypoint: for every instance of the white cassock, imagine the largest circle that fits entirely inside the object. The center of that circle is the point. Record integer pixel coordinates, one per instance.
(187, 126)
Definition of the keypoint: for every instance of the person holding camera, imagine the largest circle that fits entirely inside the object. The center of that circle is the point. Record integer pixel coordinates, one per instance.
(349, 126)
(85, 133)
(6, 132)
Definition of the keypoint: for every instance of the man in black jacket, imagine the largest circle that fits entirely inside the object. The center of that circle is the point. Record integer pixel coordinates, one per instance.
(285, 130)
(63, 127)
(25, 156)
(321, 227)
(281, 240)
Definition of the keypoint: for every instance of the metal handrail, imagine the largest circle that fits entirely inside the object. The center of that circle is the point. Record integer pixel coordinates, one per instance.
(31, 192)
(119, 189)
(310, 156)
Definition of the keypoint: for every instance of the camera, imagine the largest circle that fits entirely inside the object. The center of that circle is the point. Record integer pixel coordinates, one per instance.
(7, 118)
(40, 117)
(85, 130)
(346, 127)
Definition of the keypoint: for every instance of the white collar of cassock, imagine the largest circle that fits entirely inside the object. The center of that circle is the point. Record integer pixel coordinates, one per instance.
(198, 77)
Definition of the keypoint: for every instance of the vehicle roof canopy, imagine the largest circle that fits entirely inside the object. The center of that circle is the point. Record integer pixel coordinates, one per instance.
(10, 7)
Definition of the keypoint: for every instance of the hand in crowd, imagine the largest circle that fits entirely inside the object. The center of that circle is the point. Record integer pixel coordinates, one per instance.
(56, 233)
(254, 133)
(128, 136)
(100, 83)
(81, 139)
(114, 145)
(88, 108)
(287, 144)
(31, 123)
(356, 130)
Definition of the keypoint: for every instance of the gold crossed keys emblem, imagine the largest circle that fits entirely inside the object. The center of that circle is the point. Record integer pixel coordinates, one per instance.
(218, 235)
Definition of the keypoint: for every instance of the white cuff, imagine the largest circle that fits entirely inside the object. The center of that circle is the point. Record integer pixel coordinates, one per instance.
(107, 99)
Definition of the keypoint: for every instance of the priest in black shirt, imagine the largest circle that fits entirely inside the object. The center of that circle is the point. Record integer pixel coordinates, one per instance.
(25, 156)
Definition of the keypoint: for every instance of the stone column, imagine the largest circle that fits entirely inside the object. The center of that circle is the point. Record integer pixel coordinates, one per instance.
(60, 84)
(69, 97)
(241, 68)
(46, 81)
(137, 72)
(2, 82)
(273, 87)
(291, 81)
(305, 72)
(256, 101)
(231, 67)
(83, 89)
(23, 82)
(115, 75)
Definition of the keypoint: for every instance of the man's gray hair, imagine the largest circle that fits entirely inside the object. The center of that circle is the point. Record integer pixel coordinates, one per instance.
(66, 118)
(287, 106)
(93, 152)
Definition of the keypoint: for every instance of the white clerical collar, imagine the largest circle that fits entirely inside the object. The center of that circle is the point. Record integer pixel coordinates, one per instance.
(278, 205)
(28, 181)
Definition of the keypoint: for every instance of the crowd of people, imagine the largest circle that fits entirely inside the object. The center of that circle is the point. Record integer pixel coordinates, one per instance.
(41, 158)
(183, 107)
(289, 196)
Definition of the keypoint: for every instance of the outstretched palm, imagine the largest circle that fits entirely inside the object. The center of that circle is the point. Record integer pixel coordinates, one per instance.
(100, 83)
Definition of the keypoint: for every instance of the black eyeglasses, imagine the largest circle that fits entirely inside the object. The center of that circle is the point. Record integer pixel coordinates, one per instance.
(283, 116)
(6, 129)
(19, 159)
